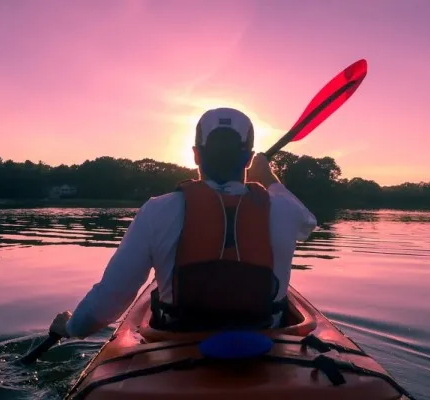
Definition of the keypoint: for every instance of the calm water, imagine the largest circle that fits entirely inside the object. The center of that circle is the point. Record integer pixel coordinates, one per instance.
(368, 271)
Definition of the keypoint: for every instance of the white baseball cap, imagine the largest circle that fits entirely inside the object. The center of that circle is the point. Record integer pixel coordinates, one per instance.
(225, 118)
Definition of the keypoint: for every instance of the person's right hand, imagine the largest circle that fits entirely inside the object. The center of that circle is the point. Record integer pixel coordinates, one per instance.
(59, 324)
(260, 171)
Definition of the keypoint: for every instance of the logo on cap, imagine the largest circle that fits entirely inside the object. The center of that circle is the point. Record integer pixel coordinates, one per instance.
(224, 121)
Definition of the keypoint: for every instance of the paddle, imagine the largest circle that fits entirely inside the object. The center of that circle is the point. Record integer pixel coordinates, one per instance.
(34, 354)
(326, 102)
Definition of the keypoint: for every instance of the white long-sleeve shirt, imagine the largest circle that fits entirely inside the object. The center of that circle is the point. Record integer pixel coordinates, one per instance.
(151, 241)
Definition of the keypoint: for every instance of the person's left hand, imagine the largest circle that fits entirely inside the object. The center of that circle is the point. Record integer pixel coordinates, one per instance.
(58, 326)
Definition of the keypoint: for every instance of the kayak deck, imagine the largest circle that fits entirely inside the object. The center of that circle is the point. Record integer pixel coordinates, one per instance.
(309, 359)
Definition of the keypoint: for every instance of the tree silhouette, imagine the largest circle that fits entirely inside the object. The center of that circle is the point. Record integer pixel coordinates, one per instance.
(317, 182)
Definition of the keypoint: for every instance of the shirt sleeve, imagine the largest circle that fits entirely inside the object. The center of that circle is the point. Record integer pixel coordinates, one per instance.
(305, 220)
(126, 272)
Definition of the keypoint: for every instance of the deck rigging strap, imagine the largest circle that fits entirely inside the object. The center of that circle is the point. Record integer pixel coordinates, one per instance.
(332, 368)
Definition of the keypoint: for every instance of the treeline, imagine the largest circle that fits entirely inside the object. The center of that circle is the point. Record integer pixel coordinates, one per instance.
(316, 181)
(102, 178)
(319, 184)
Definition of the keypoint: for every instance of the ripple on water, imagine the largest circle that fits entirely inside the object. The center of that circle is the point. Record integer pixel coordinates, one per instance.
(50, 377)
(98, 227)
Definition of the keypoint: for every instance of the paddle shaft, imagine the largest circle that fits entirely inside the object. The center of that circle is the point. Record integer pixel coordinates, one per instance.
(290, 135)
(42, 348)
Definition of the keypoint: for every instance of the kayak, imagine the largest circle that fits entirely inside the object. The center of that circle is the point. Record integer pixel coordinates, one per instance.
(309, 358)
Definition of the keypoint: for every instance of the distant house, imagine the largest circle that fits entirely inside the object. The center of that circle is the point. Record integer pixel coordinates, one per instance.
(63, 191)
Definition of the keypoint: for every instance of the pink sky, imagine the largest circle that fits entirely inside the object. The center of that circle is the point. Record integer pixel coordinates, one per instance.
(130, 78)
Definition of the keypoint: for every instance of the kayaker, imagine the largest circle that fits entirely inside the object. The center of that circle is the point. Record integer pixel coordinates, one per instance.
(184, 235)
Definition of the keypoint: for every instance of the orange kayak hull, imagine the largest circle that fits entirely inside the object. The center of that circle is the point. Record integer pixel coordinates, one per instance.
(139, 362)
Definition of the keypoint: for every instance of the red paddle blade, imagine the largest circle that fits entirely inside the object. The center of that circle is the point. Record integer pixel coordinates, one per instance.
(350, 79)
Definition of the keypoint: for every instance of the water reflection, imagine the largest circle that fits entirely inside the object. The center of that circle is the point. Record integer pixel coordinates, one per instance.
(382, 216)
(54, 226)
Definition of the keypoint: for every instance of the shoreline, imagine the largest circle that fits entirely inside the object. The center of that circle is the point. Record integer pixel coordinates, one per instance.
(71, 203)
(124, 203)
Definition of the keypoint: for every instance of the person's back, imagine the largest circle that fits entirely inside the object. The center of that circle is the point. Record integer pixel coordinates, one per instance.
(205, 239)
(288, 221)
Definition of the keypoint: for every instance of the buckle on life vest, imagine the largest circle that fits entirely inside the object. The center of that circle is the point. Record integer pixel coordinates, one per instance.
(159, 309)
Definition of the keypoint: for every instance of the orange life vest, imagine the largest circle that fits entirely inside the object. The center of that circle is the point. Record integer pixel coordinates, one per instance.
(223, 273)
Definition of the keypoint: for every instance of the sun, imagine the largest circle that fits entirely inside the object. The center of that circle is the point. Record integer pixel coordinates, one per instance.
(179, 148)
(187, 154)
